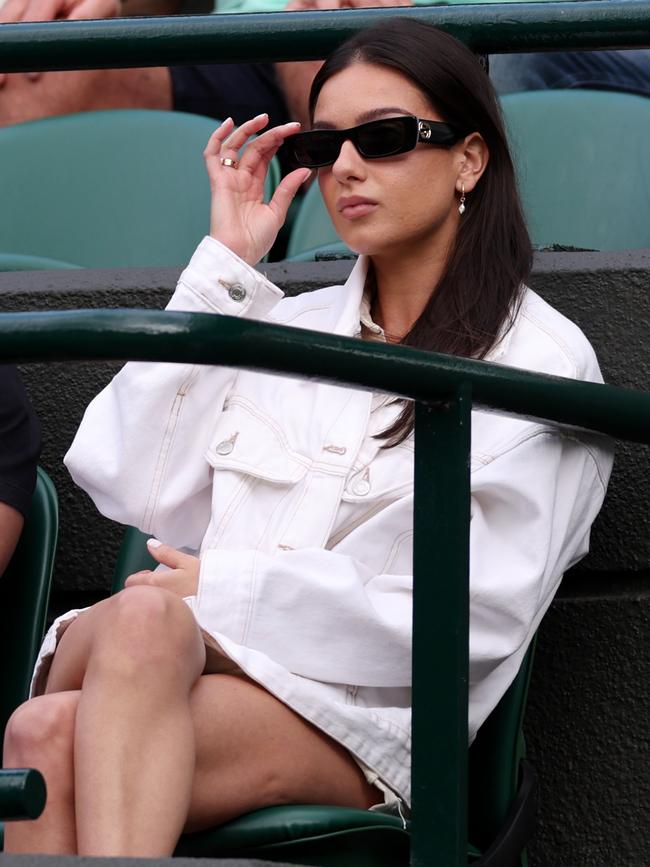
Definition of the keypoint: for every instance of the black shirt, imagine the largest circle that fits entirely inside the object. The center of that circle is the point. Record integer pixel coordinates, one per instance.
(20, 441)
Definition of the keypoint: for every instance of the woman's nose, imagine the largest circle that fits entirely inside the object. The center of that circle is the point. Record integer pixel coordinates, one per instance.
(349, 163)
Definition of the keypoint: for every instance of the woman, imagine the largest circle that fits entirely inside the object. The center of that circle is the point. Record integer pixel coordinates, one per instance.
(274, 666)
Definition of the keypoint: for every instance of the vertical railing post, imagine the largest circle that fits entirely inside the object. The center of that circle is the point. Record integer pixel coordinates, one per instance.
(441, 632)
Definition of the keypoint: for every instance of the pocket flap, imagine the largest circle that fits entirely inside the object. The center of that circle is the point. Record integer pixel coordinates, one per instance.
(246, 442)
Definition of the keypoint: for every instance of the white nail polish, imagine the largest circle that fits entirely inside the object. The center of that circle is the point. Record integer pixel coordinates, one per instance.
(153, 543)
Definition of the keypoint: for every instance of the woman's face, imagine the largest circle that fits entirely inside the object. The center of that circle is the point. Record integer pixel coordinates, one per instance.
(405, 204)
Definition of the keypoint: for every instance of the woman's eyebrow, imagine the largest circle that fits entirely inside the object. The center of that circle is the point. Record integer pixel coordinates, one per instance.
(365, 116)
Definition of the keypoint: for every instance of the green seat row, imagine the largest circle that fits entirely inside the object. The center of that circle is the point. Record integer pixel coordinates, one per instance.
(105, 189)
(101, 200)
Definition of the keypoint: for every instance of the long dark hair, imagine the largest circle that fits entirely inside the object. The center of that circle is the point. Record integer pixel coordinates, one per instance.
(477, 296)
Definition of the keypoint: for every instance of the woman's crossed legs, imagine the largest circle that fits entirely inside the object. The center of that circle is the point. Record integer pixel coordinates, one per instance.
(137, 743)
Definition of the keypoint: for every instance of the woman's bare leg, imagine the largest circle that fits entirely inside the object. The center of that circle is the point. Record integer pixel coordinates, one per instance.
(135, 658)
(40, 734)
(253, 751)
(149, 730)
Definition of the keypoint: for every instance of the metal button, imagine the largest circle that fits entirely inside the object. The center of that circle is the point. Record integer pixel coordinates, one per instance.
(335, 450)
(237, 292)
(361, 487)
(225, 447)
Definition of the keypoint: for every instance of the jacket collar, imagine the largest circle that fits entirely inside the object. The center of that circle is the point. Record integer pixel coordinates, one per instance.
(355, 310)
(348, 322)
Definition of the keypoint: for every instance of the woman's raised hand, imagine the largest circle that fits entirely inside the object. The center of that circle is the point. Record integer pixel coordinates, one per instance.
(239, 217)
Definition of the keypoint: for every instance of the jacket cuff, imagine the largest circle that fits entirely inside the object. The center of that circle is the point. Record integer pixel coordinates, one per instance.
(224, 596)
(217, 280)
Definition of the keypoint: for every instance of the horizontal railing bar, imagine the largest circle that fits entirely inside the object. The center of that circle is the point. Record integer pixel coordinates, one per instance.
(176, 40)
(202, 338)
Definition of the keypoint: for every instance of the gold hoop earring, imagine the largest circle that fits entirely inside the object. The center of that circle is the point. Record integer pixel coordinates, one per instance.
(461, 206)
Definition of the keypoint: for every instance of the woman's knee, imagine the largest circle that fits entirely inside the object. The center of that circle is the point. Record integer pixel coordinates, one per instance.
(147, 628)
(41, 729)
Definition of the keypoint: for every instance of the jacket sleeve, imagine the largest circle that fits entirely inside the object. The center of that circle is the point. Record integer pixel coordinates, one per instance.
(139, 451)
(325, 615)
(532, 511)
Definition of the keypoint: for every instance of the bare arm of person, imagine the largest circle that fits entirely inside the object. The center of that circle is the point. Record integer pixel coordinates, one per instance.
(150, 7)
(25, 97)
(11, 526)
(85, 90)
(295, 77)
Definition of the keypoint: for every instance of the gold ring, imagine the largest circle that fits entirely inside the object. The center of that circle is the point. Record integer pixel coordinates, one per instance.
(226, 161)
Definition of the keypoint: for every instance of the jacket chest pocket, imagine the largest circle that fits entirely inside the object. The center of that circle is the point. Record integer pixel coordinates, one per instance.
(256, 477)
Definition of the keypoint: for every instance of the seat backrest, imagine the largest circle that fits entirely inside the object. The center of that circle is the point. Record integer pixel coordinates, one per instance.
(133, 557)
(323, 253)
(494, 760)
(16, 262)
(107, 189)
(581, 158)
(24, 595)
(312, 227)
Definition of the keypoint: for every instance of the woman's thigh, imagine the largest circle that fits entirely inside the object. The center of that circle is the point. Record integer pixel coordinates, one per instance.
(71, 656)
(139, 622)
(253, 751)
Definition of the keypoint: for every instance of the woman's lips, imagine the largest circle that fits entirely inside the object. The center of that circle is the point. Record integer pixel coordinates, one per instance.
(353, 207)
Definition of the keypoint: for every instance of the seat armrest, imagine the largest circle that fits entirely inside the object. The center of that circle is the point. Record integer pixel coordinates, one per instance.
(22, 793)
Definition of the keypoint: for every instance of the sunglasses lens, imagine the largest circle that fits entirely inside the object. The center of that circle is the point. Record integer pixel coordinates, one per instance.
(373, 140)
(313, 149)
(383, 138)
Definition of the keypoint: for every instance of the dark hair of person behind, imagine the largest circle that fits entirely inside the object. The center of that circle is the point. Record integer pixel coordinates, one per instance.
(476, 299)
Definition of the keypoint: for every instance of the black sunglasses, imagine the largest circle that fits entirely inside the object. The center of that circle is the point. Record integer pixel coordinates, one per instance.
(378, 138)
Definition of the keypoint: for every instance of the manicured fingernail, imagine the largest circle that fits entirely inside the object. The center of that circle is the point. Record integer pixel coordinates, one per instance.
(153, 543)
(264, 114)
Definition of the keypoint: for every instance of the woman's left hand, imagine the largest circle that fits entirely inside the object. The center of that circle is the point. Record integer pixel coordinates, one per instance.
(182, 576)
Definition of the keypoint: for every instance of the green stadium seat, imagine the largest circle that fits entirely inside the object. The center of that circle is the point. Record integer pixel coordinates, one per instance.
(312, 227)
(24, 595)
(501, 795)
(581, 158)
(324, 253)
(15, 262)
(107, 189)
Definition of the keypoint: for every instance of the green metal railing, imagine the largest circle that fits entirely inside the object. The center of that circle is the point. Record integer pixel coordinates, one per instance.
(490, 28)
(444, 389)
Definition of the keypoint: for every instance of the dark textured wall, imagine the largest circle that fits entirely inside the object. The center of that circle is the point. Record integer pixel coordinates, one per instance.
(587, 722)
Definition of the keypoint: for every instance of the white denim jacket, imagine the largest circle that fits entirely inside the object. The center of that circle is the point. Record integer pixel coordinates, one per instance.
(304, 523)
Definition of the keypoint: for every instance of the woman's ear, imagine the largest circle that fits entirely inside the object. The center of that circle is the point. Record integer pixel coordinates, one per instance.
(474, 156)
